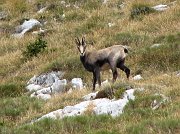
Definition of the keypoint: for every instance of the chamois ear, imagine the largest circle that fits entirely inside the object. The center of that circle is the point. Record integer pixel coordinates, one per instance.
(83, 41)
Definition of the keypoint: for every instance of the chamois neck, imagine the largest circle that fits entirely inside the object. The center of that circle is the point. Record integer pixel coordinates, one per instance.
(83, 57)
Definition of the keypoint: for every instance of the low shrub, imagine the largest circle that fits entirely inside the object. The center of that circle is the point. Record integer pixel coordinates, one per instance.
(138, 10)
(34, 48)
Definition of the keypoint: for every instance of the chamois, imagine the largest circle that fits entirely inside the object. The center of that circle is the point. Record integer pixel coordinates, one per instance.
(95, 61)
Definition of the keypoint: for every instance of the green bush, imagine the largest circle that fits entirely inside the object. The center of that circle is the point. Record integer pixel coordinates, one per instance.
(138, 10)
(34, 48)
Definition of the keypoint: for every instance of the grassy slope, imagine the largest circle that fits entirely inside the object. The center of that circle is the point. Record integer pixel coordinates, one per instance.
(92, 19)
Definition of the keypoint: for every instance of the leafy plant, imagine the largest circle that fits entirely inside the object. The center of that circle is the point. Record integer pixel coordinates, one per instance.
(33, 49)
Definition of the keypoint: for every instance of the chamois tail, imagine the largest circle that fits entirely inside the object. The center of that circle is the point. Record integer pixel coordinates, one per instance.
(125, 50)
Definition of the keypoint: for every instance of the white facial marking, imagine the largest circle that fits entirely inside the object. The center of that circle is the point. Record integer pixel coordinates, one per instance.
(81, 49)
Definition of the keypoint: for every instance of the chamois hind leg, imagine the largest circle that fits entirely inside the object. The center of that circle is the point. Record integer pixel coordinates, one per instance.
(94, 81)
(98, 76)
(124, 68)
(114, 71)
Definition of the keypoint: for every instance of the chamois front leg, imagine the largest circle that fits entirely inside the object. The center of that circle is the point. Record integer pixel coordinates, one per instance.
(96, 76)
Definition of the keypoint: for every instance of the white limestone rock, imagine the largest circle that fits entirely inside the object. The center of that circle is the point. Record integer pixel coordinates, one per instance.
(100, 106)
(26, 26)
(33, 87)
(59, 86)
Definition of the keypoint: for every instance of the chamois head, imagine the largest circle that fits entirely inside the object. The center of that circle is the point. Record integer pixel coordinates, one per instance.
(81, 45)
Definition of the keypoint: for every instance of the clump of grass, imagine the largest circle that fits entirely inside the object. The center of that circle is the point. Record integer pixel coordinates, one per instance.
(163, 58)
(143, 101)
(128, 39)
(107, 92)
(94, 23)
(11, 90)
(118, 93)
(16, 6)
(168, 39)
(15, 107)
(58, 11)
(71, 65)
(159, 126)
(139, 9)
(34, 48)
(75, 16)
(92, 5)
(75, 125)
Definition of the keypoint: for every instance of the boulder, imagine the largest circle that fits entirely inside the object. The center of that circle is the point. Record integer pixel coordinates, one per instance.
(99, 106)
(46, 79)
(28, 25)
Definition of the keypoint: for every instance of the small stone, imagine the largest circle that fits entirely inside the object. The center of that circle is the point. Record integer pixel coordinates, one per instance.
(160, 7)
(44, 96)
(137, 77)
(90, 96)
(156, 45)
(111, 24)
